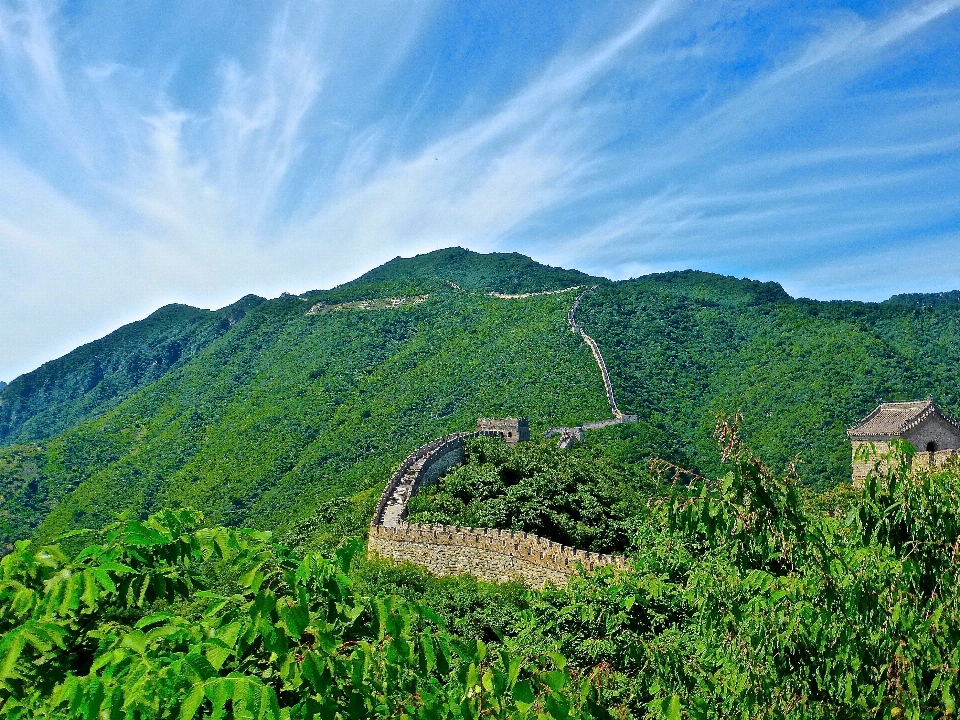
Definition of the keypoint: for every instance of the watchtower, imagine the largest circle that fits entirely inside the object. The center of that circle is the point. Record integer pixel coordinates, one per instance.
(512, 430)
(934, 434)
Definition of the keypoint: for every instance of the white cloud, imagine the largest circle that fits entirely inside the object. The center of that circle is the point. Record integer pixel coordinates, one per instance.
(632, 153)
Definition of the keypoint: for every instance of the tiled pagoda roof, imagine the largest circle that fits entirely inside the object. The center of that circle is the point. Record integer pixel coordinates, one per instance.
(892, 420)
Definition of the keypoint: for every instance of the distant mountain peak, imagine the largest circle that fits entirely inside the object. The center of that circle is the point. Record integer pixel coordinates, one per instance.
(931, 300)
(496, 271)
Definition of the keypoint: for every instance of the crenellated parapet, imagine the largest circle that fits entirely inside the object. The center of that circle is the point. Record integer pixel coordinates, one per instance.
(486, 553)
(490, 554)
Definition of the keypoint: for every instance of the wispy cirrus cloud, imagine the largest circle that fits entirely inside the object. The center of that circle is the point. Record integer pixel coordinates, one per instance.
(201, 152)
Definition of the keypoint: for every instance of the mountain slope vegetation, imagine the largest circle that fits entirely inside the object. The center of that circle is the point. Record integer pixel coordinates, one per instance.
(289, 410)
(683, 347)
(748, 593)
(293, 421)
(95, 377)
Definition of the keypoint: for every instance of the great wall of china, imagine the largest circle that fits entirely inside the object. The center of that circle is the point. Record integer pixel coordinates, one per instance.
(488, 554)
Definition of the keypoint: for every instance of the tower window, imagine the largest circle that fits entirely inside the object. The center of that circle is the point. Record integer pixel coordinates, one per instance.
(931, 446)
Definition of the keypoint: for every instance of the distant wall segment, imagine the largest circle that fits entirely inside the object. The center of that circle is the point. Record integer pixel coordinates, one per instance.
(575, 327)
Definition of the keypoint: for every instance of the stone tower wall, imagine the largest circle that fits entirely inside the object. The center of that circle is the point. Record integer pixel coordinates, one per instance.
(512, 430)
(935, 430)
(921, 460)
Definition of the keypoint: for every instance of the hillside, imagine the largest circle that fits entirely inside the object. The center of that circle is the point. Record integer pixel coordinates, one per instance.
(288, 411)
(294, 421)
(95, 377)
(682, 347)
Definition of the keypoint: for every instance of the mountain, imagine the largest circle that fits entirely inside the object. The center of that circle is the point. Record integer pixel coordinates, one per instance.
(942, 299)
(293, 416)
(2, 385)
(683, 347)
(97, 376)
(502, 272)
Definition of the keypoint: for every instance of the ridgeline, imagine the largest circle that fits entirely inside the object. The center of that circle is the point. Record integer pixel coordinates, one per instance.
(266, 415)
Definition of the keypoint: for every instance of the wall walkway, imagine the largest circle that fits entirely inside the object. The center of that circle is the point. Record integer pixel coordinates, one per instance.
(495, 555)
(575, 327)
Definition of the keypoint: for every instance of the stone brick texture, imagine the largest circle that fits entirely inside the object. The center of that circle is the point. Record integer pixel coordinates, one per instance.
(944, 438)
(489, 554)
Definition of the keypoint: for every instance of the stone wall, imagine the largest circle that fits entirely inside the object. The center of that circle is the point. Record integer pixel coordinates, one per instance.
(942, 434)
(493, 555)
(488, 554)
(937, 459)
(862, 467)
(922, 460)
(415, 468)
(512, 430)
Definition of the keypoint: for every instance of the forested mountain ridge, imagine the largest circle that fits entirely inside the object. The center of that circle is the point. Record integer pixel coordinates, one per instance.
(290, 412)
(294, 421)
(941, 299)
(685, 346)
(500, 272)
(90, 380)
(742, 592)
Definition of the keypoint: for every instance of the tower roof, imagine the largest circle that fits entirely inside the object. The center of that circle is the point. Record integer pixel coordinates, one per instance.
(892, 420)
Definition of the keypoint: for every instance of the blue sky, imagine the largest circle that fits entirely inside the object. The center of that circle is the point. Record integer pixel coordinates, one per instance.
(155, 152)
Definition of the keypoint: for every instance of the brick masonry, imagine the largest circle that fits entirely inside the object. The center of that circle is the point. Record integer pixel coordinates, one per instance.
(512, 430)
(489, 554)
(922, 460)
(493, 555)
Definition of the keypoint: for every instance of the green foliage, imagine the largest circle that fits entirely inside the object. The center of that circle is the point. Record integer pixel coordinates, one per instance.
(124, 629)
(500, 272)
(748, 600)
(941, 299)
(585, 497)
(750, 595)
(290, 412)
(281, 416)
(94, 378)
(682, 347)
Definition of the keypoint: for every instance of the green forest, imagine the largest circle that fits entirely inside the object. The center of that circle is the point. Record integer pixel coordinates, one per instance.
(184, 503)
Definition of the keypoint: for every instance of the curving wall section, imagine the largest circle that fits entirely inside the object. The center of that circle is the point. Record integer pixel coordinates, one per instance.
(575, 327)
(488, 554)
(496, 555)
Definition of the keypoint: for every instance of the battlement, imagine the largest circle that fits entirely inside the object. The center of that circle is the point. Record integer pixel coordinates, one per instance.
(521, 545)
(487, 553)
(512, 430)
